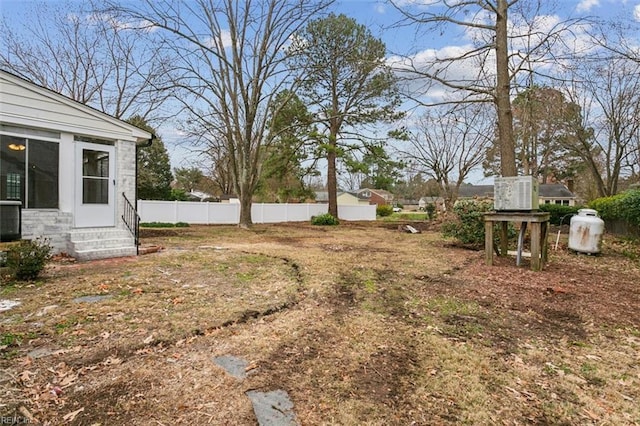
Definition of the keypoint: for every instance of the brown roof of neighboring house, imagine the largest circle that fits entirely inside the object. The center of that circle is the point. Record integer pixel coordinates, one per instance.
(381, 192)
(545, 190)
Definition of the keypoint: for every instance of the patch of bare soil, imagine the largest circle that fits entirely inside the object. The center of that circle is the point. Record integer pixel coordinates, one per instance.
(359, 324)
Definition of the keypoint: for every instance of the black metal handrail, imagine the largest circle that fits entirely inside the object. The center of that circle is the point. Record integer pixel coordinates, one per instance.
(131, 220)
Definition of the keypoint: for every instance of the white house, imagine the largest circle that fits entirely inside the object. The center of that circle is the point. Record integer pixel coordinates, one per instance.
(343, 198)
(72, 167)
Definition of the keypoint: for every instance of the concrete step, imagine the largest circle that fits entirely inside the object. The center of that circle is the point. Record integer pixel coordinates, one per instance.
(105, 253)
(101, 243)
(98, 234)
(104, 243)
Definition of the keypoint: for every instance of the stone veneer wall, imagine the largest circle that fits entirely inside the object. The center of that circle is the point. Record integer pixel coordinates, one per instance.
(52, 224)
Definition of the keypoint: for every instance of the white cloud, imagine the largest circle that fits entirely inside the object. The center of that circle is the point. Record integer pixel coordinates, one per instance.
(224, 37)
(587, 5)
(116, 24)
(423, 3)
(461, 72)
(379, 8)
(636, 13)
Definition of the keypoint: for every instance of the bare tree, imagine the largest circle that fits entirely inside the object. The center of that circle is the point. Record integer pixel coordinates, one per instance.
(608, 89)
(450, 143)
(218, 168)
(91, 58)
(230, 70)
(506, 38)
(543, 121)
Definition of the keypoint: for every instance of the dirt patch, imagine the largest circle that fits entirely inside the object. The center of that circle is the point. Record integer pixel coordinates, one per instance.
(358, 324)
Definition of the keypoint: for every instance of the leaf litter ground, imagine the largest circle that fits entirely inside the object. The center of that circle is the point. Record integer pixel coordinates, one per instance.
(360, 324)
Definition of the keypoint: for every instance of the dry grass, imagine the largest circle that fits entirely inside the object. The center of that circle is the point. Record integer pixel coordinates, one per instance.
(359, 324)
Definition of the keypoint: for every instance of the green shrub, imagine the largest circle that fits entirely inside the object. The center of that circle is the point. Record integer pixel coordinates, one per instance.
(624, 206)
(468, 227)
(28, 258)
(384, 210)
(630, 207)
(431, 210)
(164, 225)
(324, 219)
(560, 215)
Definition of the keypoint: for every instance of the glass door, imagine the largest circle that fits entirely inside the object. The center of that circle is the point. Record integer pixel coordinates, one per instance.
(95, 191)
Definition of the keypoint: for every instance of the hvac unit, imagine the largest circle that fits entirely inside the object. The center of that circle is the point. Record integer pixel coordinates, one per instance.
(518, 193)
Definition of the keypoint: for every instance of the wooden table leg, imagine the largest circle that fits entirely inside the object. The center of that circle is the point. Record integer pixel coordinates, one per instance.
(535, 246)
(545, 249)
(488, 242)
(504, 238)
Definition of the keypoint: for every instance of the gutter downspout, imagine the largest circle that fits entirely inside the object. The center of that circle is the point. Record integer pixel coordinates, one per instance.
(147, 144)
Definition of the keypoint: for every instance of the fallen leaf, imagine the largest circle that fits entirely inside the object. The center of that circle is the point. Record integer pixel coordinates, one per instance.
(68, 380)
(72, 415)
(27, 414)
(112, 360)
(148, 340)
(591, 414)
(137, 291)
(25, 376)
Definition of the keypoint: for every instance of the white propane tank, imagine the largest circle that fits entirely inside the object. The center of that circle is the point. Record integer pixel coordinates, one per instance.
(585, 232)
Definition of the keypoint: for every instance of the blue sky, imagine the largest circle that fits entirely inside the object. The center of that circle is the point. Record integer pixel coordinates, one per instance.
(380, 16)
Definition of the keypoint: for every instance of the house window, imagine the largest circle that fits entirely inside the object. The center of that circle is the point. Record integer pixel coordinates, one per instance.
(565, 202)
(29, 171)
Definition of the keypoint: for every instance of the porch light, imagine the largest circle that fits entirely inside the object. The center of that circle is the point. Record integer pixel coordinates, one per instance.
(17, 147)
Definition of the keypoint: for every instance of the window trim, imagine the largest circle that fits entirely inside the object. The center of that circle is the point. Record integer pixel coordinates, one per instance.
(27, 135)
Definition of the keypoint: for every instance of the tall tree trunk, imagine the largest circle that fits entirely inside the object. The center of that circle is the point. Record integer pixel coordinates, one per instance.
(245, 209)
(332, 180)
(503, 102)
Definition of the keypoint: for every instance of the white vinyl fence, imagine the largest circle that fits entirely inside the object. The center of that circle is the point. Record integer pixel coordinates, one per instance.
(194, 212)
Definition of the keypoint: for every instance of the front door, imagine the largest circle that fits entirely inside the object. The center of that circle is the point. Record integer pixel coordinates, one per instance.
(95, 185)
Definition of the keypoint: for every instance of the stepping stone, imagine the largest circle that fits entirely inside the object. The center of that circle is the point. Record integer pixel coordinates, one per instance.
(92, 299)
(273, 408)
(46, 310)
(233, 365)
(40, 353)
(6, 304)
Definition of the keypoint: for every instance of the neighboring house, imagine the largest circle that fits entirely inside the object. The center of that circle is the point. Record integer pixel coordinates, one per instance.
(343, 198)
(436, 201)
(548, 193)
(72, 167)
(556, 193)
(229, 199)
(475, 191)
(378, 197)
(201, 196)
